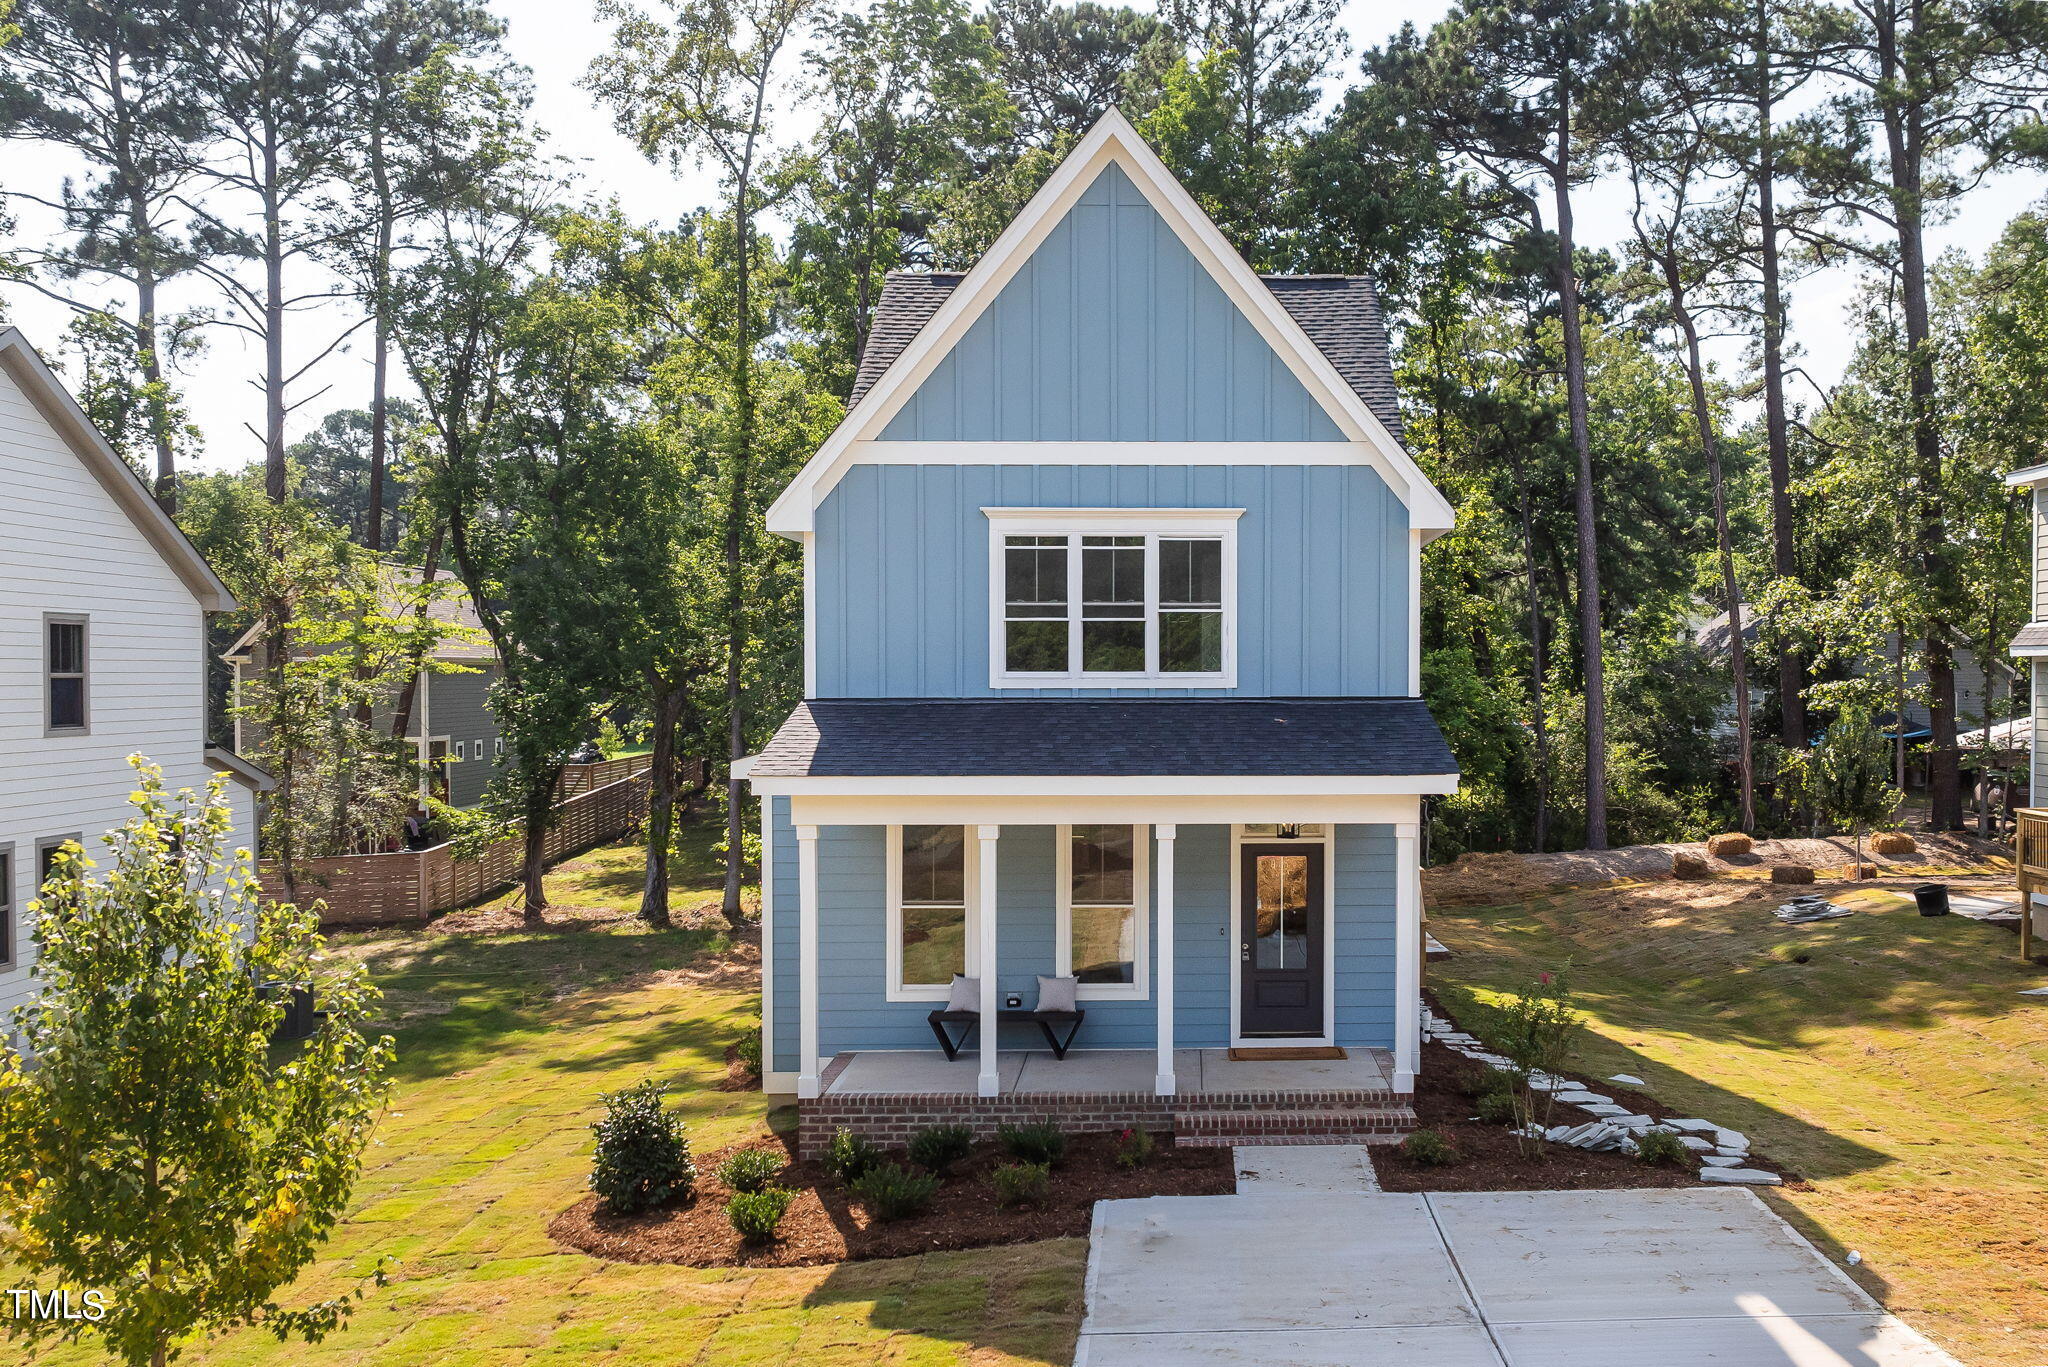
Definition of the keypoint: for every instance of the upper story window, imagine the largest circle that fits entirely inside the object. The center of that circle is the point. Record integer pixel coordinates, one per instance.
(64, 673)
(1108, 596)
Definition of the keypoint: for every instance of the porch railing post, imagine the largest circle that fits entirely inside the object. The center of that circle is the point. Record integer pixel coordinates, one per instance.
(1407, 955)
(990, 1082)
(807, 962)
(1163, 1084)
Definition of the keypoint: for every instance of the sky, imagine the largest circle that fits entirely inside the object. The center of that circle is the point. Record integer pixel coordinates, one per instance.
(556, 40)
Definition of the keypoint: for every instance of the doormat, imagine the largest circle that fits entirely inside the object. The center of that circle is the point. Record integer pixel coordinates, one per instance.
(1280, 1054)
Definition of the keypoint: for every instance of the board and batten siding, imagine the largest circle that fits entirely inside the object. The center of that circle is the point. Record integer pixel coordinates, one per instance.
(855, 1013)
(1112, 331)
(67, 547)
(901, 574)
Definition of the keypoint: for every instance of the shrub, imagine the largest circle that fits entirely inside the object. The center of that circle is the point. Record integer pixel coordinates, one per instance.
(755, 1214)
(849, 1155)
(1538, 1031)
(1429, 1148)
(643, 1153)
(1134, 1149)
(748, 1051)
(1019, 1184)
(750, 1170)
(1488, 1080)
(1497, 1108)
(1039, 1142)
(1661, 1146)
(938, 1148)
(893, 1192)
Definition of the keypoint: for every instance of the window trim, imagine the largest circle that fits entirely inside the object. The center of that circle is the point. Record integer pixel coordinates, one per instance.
(84, 622)
(44, 846)
(10, 906)
(893, 987)
(1140, 987)
(1153, 524)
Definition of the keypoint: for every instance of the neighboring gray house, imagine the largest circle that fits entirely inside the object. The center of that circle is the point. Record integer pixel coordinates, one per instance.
(452, 729)
(1112, 668)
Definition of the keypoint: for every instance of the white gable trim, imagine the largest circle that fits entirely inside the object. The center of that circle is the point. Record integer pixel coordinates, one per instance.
(1111, 141)
(69, 421)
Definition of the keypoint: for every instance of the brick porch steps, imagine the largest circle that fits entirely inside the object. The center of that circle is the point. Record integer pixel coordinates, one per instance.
(1219, 1128)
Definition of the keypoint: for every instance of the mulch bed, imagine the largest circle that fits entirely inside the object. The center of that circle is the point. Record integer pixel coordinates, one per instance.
(826, 1223)
(1492, 1159)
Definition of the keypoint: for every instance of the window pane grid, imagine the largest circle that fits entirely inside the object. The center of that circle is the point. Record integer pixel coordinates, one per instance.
(1147, 605)
(932, 894)
(1103, 916)
(65, 671)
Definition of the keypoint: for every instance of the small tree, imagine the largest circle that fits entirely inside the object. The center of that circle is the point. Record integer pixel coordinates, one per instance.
(160, 1151)
(1538, 1031)
(1849, 777)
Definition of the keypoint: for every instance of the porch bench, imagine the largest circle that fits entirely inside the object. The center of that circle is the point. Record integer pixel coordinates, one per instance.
(1044, 1020)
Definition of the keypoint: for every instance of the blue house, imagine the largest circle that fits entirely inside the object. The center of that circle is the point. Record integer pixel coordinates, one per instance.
(1112, 671)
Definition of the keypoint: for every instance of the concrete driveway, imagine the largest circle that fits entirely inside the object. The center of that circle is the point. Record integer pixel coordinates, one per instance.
(1679, 1278)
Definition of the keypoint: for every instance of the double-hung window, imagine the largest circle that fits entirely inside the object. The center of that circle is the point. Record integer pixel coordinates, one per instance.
(931, 931)
(1113, 596)
(64, 673)
(1102, 939)
(7, 928)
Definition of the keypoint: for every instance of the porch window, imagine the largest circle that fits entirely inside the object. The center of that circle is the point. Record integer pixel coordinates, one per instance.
(1102, 930)
(928, 922)
(1128, 595)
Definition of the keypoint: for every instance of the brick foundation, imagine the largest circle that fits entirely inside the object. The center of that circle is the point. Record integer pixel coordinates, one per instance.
(1210, 1118)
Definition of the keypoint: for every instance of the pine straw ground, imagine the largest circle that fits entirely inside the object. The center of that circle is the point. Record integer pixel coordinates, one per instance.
(1887, 1060)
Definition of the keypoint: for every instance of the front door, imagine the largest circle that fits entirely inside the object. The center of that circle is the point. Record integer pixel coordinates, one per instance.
(1280, 940)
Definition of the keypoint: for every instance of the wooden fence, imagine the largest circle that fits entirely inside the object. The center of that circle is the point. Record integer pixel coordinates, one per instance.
(411, 885)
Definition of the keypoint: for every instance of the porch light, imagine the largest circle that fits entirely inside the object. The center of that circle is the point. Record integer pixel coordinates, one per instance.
(1292, 832)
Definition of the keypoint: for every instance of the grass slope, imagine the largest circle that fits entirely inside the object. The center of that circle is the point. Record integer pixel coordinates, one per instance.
(506, 1037)
(1896, 1069)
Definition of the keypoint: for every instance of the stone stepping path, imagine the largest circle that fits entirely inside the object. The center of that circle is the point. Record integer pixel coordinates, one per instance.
(1723, 1153)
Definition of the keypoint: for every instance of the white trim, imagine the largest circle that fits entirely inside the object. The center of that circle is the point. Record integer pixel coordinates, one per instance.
(1104, 453)
(768, 944)
(1199, 804)
(810, 547)
(1139, 988)
(1407, 955)
(893, 987)
(807, 968)
(983, 911)
(2030, 653)
(1111, 140)
(1096, 785)
(1235, 928)
(58, 408)
(2026, 475)
(1415, 613)
(1153, 524)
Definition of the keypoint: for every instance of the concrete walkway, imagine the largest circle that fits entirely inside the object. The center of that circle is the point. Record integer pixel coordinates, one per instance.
(1265, 1169)
(1681, 1278)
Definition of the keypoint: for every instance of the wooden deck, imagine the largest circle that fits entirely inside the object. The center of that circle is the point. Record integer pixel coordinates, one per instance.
(2030, 868)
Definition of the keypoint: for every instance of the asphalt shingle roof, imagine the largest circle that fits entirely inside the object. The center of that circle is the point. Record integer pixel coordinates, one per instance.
(1340, 313)
(2033, 636)
(1106, 737)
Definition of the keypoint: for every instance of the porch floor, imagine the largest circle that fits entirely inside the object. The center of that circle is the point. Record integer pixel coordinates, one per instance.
(1035, 1072)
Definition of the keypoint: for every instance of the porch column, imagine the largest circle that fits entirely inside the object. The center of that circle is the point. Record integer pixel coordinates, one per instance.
(990, 1082)
(807, 960)
(1163, 970)
(1407, 955)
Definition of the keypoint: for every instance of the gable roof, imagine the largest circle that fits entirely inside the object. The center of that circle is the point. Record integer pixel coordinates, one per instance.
(452, 605)
(129, 493)
(1365, 435)
(1340, 314)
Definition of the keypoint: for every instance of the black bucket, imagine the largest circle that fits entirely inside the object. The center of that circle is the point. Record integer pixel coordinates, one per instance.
(1933, 899)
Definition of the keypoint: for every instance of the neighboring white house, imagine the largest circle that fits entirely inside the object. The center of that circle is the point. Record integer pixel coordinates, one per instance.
(103, 606)
(2030, 647)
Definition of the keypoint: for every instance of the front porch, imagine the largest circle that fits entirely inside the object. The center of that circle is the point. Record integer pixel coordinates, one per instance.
(1219, 1100)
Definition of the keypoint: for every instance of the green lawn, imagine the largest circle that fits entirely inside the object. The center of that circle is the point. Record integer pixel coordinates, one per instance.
(506, 1037)
(1896, 1069)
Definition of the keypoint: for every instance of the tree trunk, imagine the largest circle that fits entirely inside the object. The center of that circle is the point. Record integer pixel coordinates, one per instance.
(540, 809)
(1582, 496)
(1537, 722)
(668, 700)
(380, 345)
(1777, 427)
(735, 526)
(273, 330)
(401, 715)
(1731, 591)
